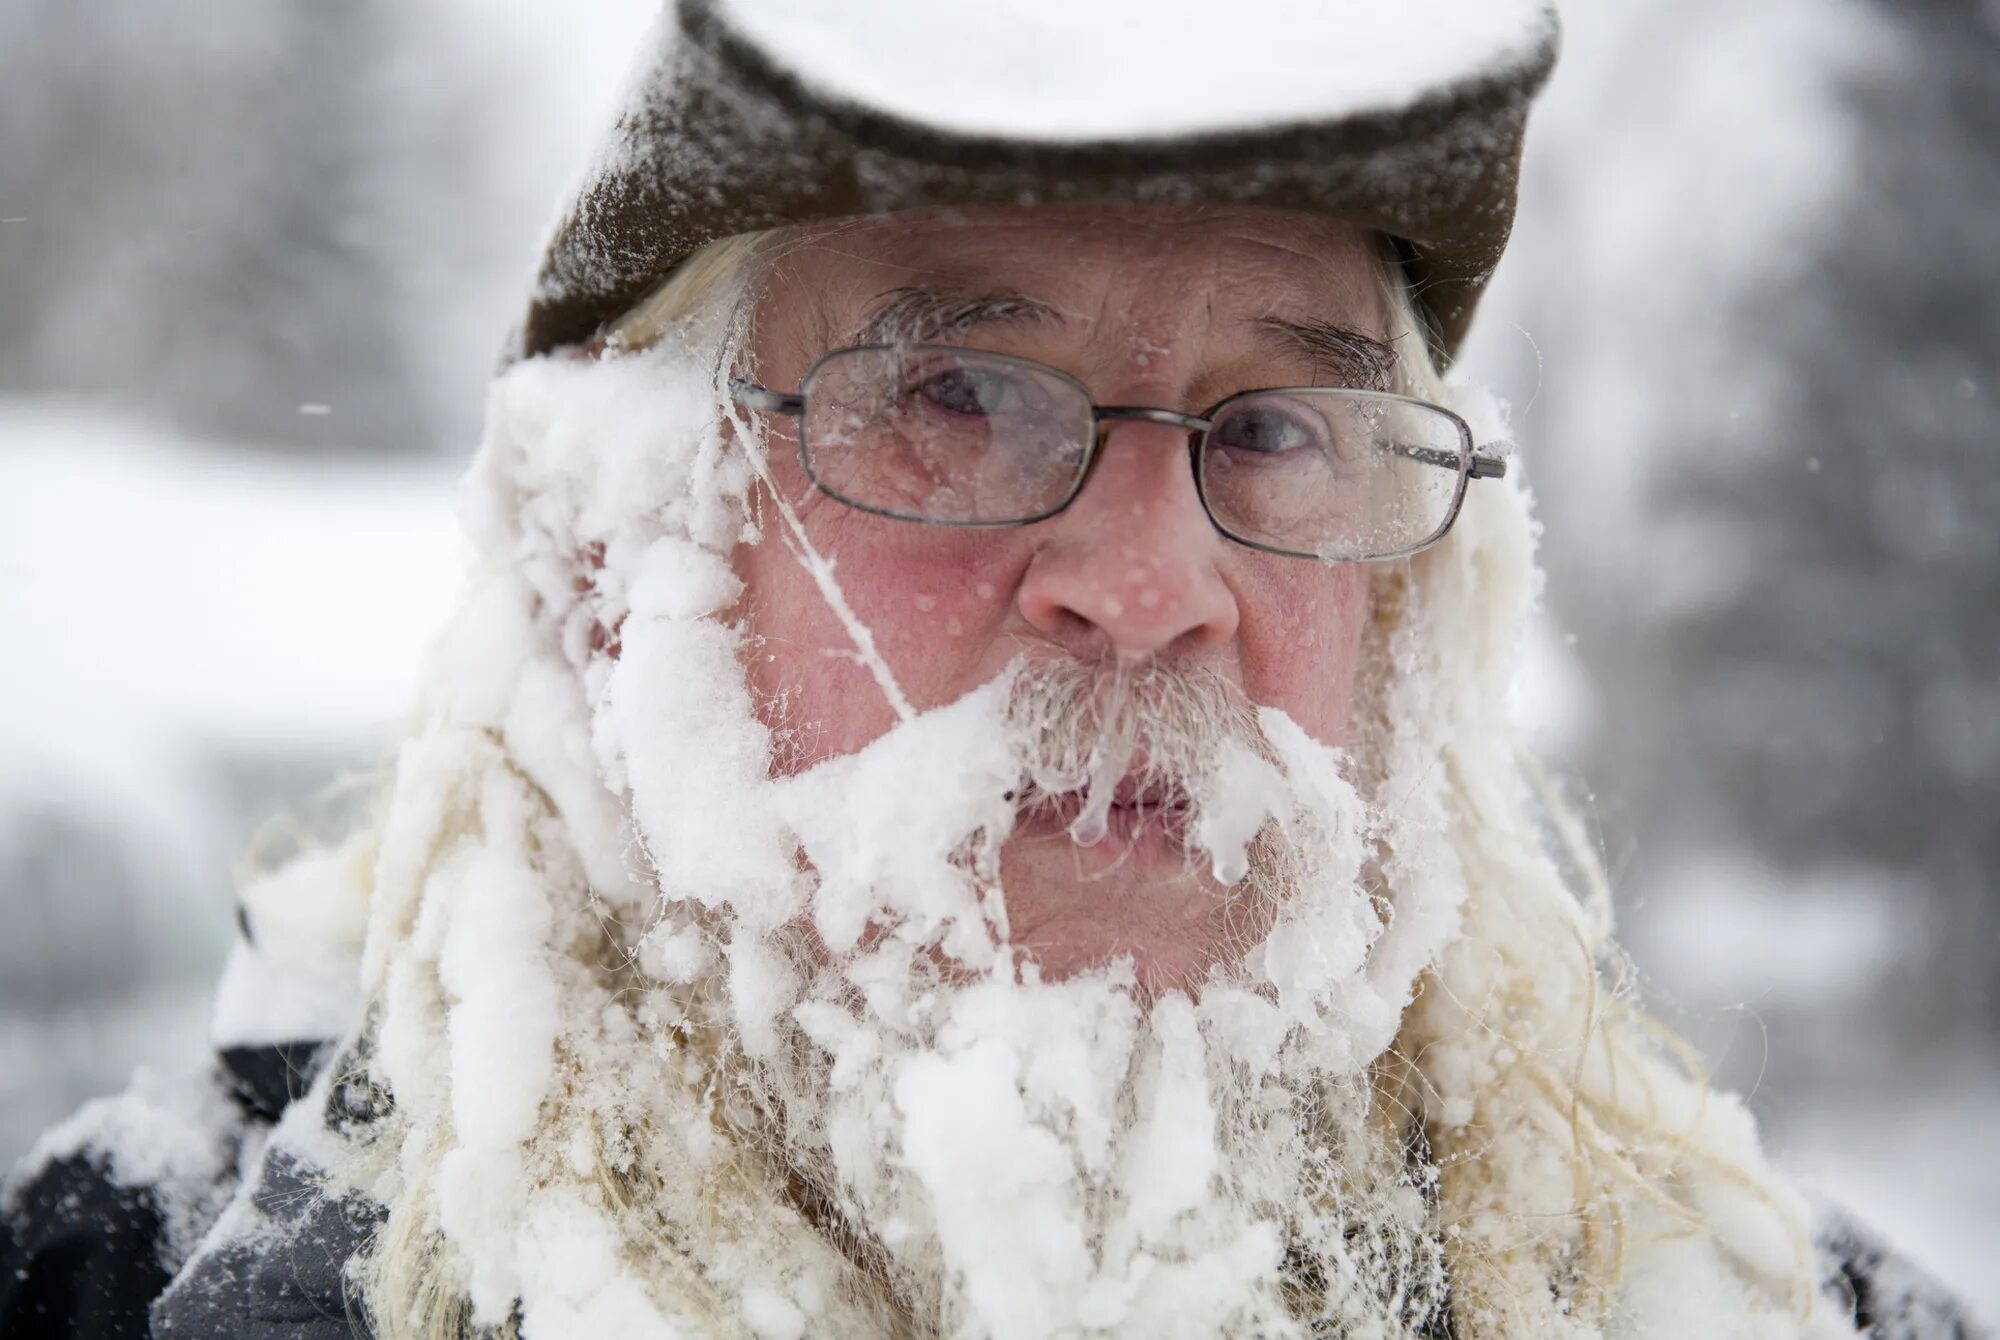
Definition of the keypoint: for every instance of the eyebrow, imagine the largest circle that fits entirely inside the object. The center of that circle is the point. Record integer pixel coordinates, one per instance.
(915, 315)
(912, 315)
(1357, 358)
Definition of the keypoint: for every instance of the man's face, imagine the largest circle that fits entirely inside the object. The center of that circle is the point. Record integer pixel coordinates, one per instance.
(1165, 308)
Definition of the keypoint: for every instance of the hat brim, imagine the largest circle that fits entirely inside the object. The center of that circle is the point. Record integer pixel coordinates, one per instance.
(718, 140)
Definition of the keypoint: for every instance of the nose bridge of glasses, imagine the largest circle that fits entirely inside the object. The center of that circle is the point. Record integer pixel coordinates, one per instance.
(1110, 414)
(1147, 473)
(1106, 417)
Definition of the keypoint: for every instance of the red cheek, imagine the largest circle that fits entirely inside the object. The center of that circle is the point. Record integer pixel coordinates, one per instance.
(1300, 641)
(937, 603)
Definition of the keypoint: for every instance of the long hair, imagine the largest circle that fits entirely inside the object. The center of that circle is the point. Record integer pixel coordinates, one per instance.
(1570, 1132)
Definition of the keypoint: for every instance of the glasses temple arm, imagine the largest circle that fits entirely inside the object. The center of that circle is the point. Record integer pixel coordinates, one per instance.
(752, 396)
(1483, 466)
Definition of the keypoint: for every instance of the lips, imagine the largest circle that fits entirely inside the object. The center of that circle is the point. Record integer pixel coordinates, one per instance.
(1149, 797)
(1154, 809)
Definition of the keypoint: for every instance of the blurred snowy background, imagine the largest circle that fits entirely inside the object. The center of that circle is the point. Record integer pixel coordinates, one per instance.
(256, 258)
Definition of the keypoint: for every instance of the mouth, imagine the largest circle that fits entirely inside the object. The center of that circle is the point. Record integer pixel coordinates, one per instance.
(1144, 818)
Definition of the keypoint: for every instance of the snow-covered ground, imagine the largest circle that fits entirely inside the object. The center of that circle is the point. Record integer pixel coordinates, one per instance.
(199, 637)
(140, 564)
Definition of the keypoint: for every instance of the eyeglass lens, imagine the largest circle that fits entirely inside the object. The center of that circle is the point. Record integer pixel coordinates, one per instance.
(968, 438)
(938, 435)
(1333, 473)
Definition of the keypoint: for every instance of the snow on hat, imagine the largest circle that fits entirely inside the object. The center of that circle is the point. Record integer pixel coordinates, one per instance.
(1405, 116)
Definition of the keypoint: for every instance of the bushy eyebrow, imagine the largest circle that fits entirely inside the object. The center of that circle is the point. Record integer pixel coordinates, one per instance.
(915, 315)
(1355, 357)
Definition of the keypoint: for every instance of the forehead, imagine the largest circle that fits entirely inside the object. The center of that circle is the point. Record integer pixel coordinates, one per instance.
(1142, 269)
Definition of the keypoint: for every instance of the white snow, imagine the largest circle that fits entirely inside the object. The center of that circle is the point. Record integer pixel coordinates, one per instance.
(1019, 1248)
(137, 562)
(1135, 68)
(177, 1133)
(173, 610)
(1726, 929)
(298, 979)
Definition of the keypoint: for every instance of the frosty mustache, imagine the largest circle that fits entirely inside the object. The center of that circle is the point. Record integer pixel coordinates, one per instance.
(1146, 738)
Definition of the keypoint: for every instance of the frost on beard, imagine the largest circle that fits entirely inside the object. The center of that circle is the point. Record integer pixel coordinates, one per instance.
(643, 986)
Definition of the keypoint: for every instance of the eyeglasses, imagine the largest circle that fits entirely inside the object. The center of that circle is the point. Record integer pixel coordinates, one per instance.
(957, 437)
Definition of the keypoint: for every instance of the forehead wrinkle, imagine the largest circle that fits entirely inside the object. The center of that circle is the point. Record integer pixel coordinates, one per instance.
(1308, 266)
(1317, 307)
(1193, 301)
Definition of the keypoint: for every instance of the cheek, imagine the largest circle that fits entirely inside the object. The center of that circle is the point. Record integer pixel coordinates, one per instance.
(1301, 640)
(936, 603)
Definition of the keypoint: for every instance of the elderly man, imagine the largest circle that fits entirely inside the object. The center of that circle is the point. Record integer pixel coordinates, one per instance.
(969, 795)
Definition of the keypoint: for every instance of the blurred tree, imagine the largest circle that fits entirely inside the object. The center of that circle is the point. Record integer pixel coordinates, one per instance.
(1853, 675)
(195, 218)
(1759, 266)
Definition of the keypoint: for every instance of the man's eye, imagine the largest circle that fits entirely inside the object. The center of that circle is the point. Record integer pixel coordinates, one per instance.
(967, 391)
(1265, 432)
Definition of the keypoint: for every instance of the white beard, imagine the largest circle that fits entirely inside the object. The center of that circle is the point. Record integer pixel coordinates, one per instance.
(1020, 1157)
(799, 1104)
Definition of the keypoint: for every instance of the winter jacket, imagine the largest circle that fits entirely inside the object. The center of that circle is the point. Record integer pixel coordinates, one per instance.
(235, 1237)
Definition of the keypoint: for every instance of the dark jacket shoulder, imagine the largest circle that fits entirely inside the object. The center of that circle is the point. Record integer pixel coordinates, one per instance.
(114, 1207)
(1888, 1296)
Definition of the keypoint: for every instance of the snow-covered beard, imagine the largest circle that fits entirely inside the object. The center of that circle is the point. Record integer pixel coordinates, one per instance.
(1014, 1154)
(653, 1073)
(830, 948)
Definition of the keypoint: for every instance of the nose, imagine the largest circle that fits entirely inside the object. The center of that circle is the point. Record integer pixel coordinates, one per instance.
(1130, 566)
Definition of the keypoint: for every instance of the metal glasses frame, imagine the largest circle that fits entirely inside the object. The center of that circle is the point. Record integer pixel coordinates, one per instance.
(1469, 462)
